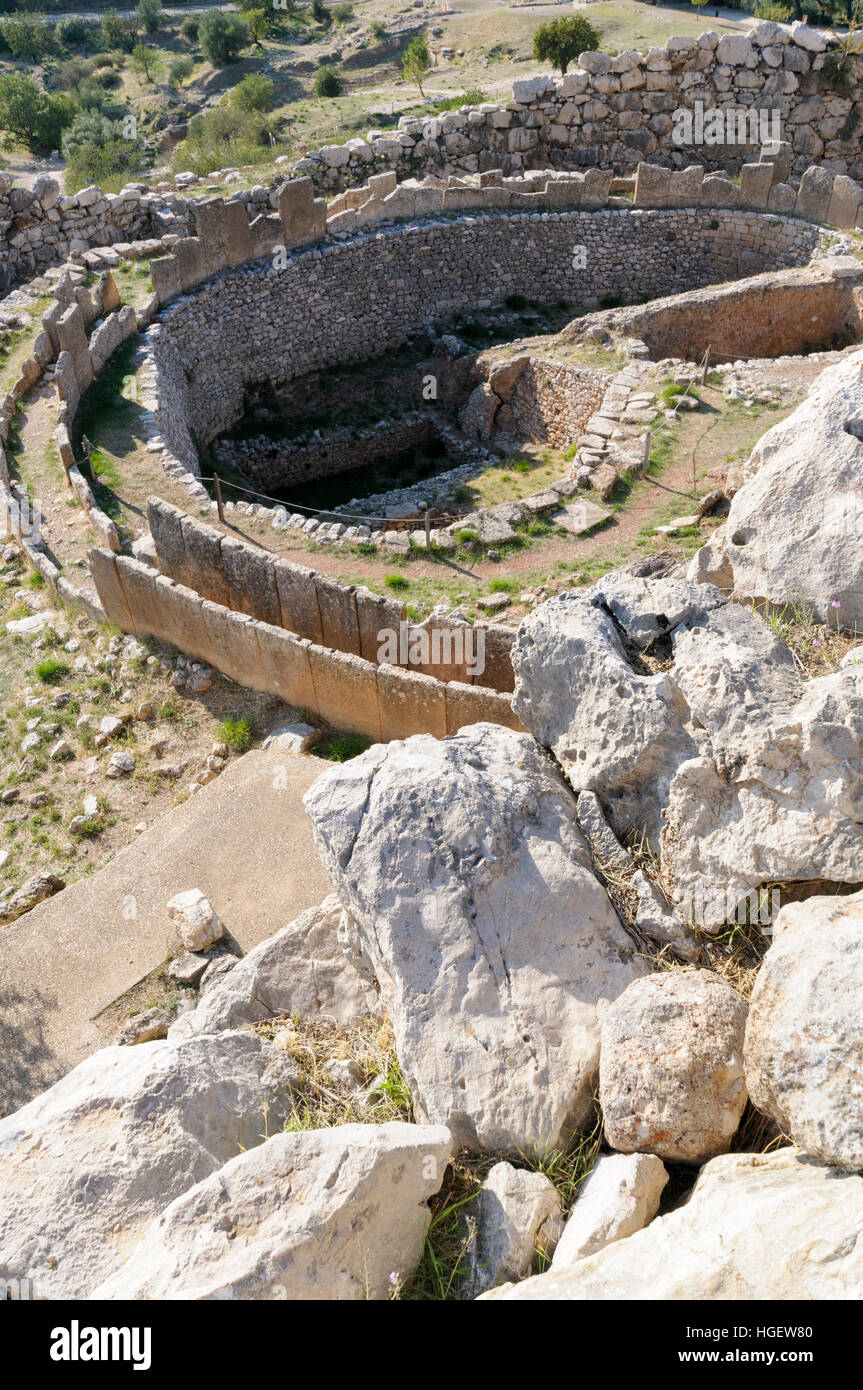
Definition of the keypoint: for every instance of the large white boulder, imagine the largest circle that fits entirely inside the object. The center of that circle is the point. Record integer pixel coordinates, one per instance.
(86, 1166)
(496, 949)
(671, 1069)
(300, 971)
(757, 1226)
(804, 1037)
(795, 528)
(329, 1214)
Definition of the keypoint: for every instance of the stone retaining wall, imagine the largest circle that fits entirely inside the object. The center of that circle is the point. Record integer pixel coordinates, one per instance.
(344, 617)
(336, 687)
(772, 315)
(619, 110)
(275, 463)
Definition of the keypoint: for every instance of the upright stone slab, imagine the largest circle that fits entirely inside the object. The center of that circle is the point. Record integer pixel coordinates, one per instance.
(346, 691)
(814, 194)
(472, 704)
(382, 184)
(249, 572)
(845, 202)
(266, 234)
(50, 319)
(166, 527)
(719, 192)
(297, 211)
(73, 339)
(338, 608)
(103, 568)
(203, 559)
(236, 233)
(597, 186)
(756, 181)
(234, 639)
(781, 199)
(67, 382)
(191, 262)
(685, 187)
(286, 666)
(165, 277)
(182, 619)
(652, 186)
(566, 193)
(298, 600)
(410, 703)
(376, 615)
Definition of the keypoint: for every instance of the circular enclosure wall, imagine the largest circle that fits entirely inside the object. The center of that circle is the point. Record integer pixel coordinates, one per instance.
(349, 300)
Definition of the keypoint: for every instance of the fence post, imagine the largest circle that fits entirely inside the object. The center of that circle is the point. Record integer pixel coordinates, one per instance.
(645, 456)
(220, 508)
(704, 369)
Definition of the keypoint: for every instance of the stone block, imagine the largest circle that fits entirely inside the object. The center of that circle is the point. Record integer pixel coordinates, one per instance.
(297, 211)
(652, 186)
(286, 667)
(410, 704)
(376, 614)
(249, 572)
(73, 339)
(192, 265)
(756, 181)
(298, 600)
(112, 596)
(346, 691)
(474, 704)
(165, 277)
(337, 604)
(814, 194)
(203, 559)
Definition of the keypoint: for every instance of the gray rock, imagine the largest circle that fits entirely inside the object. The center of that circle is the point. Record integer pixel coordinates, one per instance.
(496, 949)
(804, 1036)
(756, 1227)
(515, 1215)
(89, 1163)
(301, 970)
(329, 1214)
(671, 1068)
(620, 1196)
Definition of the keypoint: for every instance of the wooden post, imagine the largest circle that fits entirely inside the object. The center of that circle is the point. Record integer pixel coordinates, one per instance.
(220, 507)
(428, 528)
(645, 457)
(704, 369)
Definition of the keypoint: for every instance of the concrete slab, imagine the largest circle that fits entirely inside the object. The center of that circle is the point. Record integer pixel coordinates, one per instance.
(244, 840)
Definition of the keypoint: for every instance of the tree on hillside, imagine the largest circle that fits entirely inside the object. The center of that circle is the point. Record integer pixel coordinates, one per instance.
(416, 62)
(28, 36)
(119, 31)
(254, 93)
(30, 114)
(149, 15)
(562, 40)
(221, 36)
(145, 61)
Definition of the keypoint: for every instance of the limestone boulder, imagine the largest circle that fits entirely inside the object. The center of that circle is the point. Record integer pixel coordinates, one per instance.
(88, 1164)
(515, 1216)
(688, 718)
(330, 1214)
(195, 919)
(794, 528)
(300, 971)
(757, 1226)
(671, 1068)
(496, 949)
(804, 1038)
(621, 1195)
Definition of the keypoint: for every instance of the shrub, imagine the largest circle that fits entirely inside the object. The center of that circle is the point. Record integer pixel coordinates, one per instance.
(340, 748)
(320, 14)
(378, 30)
(50, 671)
(327, 82)
(254, 93)
(223, 136)
(561, 40)
(222, 36)
(74, 31)
(397, 582)
(189, 28)
(145, 61)
(237, 733)
(342, 13)
(96, 152)
(30, 114)
(149, 15)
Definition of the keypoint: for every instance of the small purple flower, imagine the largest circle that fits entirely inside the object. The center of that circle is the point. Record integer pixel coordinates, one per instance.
(834, 603)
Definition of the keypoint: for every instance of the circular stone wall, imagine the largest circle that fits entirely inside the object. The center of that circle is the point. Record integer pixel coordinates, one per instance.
(344, 301)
